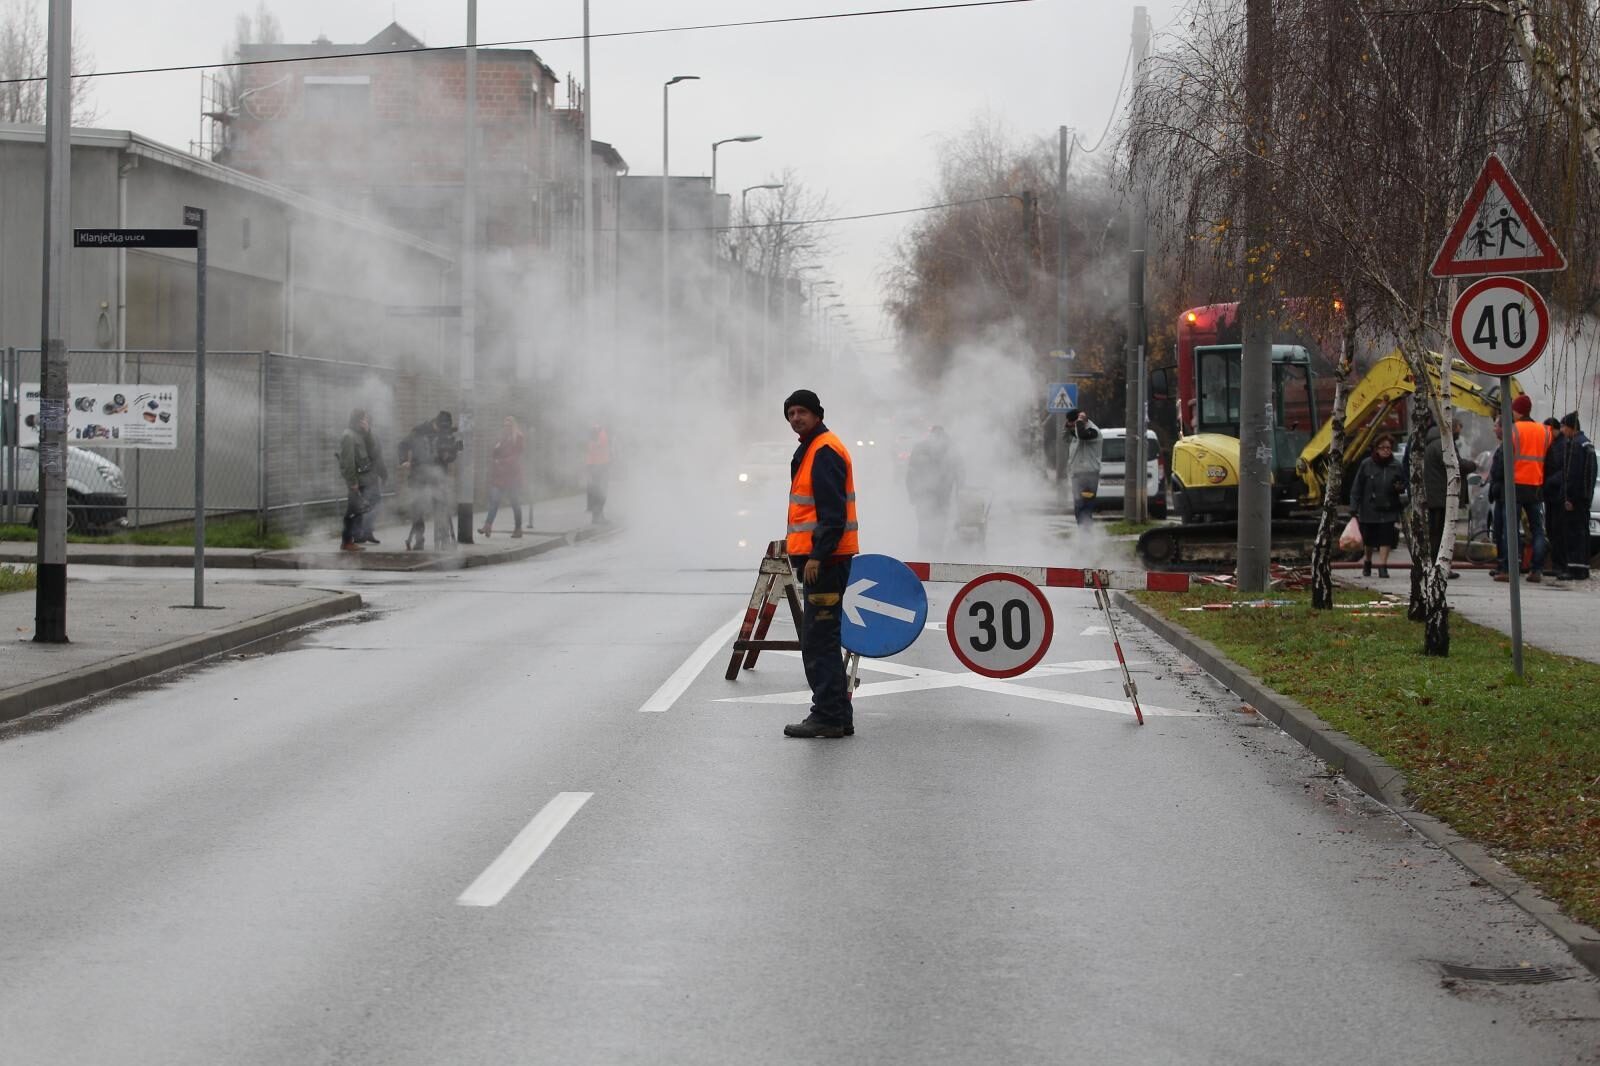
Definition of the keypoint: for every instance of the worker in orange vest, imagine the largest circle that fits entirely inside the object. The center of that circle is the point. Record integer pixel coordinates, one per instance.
(822, 539)
(1529, 442)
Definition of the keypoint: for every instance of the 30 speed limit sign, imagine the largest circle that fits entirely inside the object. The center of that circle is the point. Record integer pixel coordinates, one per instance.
(1500, 325)
(999, 625)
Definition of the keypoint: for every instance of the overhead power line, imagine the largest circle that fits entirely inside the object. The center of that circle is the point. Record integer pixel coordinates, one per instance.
(536, 40)
(1111, 118)
(873, 214)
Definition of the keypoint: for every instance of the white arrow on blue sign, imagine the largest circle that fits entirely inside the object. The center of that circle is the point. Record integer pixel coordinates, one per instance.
(885, 607)
(1060, 397)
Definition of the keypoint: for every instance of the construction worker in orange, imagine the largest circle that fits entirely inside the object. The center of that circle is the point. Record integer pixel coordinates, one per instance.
(597, 469)
(1530, 440)
(822, 539)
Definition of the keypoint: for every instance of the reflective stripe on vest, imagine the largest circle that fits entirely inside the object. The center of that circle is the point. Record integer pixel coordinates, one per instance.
(1533, 440)
(803, 501)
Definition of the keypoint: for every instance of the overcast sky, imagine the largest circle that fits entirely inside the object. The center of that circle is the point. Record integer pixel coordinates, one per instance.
(857, 106)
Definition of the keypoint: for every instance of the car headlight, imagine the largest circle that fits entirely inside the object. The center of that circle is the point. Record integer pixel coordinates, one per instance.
(744, 477)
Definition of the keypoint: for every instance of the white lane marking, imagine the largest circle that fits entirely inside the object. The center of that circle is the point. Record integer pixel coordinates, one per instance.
(914, 679)
(1096, 631)
(504, 873)
(664, 697)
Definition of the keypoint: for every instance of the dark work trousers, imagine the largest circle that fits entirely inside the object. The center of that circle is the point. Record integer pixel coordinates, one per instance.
(1556, 533)
(1579, 550)
(1083, 501)
(819, 650)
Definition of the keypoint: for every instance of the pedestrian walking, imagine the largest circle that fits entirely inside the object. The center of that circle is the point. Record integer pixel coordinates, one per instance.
(1578, 471)
(505, 476)
(597, 472)
(1376, 499)
(426, 455)
(933, 475)
(1083, 464)
(355, 464)
(822, 539)
(371, 486)
(1435, 479)
(1529, 442)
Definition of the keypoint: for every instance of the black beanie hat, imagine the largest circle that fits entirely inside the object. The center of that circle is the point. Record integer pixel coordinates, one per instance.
(803, 398)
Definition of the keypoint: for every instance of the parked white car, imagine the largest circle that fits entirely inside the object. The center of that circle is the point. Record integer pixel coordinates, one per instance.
(1113, 472)
(97, 495)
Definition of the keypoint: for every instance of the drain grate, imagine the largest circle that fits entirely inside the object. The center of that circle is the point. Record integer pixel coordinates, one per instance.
(1523, 975)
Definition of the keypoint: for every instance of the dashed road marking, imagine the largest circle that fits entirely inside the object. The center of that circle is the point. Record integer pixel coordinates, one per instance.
(503, 874)
(664, 697)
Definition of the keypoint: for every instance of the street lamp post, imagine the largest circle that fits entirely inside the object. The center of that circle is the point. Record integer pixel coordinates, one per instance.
(666, 223)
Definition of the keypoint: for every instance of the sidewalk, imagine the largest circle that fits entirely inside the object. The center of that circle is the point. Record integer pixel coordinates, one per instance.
(124, 631)
(555, 523)
(1563, 620)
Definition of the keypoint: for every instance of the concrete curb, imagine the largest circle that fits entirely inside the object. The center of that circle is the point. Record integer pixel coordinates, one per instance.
(1370, 773)
(301, 559)
(25, 699)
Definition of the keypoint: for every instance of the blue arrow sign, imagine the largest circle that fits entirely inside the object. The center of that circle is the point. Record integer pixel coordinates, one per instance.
(885, 607)
(1060, 397)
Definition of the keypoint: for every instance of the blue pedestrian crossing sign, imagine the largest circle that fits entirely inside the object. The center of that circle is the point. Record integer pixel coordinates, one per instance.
(1060, 397)
(885, 607)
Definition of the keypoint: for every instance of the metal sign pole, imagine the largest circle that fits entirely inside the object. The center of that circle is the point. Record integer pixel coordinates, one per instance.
(194, 216)
(1508, 495)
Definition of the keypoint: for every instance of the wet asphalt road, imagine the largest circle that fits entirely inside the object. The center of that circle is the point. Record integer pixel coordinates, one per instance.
(263, 860)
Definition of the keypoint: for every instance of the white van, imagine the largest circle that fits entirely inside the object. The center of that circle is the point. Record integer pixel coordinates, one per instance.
(97, 494)
(1113, 472)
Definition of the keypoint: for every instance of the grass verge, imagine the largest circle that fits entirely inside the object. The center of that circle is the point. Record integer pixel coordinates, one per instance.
(237, 531)
(1123, 527)
(1513, 765)
(18, 578)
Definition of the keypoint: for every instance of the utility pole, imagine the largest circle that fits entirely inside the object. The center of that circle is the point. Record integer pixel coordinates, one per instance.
(465, 481)
(1059, 422)
(1135, 508)
(588, 205)
(1256, 312)
(1030, 244)
(50, 598)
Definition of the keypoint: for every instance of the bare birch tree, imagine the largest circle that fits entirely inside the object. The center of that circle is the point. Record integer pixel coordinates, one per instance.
(24, 56)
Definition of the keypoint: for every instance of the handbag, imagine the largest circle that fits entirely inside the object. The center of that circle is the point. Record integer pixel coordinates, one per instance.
(1350, 539)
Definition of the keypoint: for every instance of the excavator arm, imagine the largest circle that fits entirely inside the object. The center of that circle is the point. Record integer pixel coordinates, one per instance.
(1373, 397)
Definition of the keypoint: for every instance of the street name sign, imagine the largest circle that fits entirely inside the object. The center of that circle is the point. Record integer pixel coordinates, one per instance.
(1060, 397)
(135, 238)
(999, 625)
(1500, 325)
(1497, 232)
(885, 607)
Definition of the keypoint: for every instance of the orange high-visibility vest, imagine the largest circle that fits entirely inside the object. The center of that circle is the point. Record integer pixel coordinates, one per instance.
(1533, 440)
(599, 453)
(803, 504)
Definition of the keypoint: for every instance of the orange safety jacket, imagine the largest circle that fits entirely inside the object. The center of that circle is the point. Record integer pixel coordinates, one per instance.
(1533, 440)
(803, 504)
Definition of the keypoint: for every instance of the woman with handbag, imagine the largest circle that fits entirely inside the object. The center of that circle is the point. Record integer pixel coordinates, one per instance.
(1376, 502)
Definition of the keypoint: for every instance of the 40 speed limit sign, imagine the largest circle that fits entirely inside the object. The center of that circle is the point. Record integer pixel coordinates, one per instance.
(1500, 325)
(999, 625)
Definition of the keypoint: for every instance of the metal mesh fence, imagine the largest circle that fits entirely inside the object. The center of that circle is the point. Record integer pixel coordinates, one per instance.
(273, 424)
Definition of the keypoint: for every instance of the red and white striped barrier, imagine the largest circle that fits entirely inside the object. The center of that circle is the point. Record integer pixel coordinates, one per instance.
(1061, 577)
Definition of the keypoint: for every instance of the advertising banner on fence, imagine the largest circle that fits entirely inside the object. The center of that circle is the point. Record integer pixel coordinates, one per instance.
(109, 416)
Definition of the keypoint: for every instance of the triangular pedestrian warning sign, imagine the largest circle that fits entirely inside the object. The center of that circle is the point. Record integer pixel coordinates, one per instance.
(1497, 232)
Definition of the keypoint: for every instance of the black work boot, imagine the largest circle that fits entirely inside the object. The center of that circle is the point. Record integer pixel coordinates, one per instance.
(815, 728)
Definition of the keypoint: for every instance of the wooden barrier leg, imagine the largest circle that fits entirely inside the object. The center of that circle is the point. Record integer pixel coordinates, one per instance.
(757, 598)
(1129, 689)
(763, 623)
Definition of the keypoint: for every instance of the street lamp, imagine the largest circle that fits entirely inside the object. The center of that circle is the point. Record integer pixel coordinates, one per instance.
(743, 139)
(766, 279)
(666, 217)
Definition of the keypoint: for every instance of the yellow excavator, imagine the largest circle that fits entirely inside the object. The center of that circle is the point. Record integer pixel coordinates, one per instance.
(1205, 463)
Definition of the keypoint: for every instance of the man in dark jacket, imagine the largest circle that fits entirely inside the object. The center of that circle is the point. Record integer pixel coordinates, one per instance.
(821, 541)
(1555, 527)
(426, 454)
(1576, 484)
(1434, 480)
